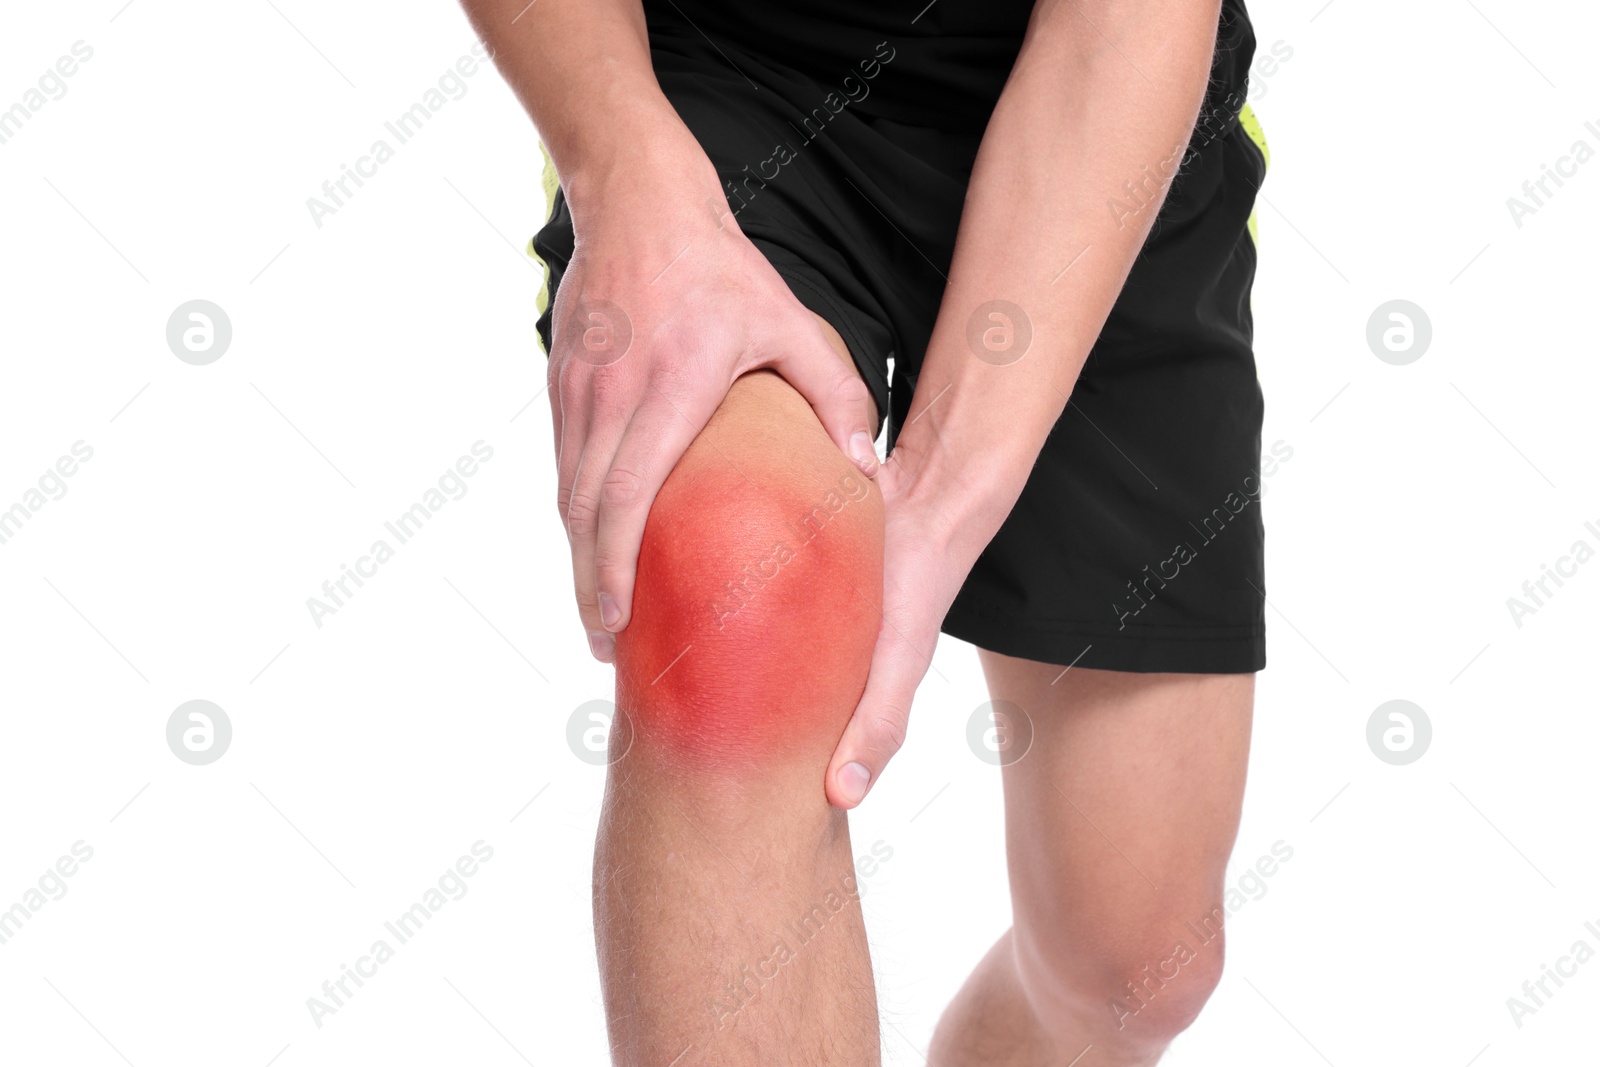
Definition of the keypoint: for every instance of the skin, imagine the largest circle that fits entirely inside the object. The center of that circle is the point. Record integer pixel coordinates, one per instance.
(1136, 782)
(1127, 77)
(760, 529)
(703, 307)
(699, 306)
(706, 845)
(716, 797)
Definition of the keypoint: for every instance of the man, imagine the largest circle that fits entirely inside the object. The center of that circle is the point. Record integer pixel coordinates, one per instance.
(760, 206)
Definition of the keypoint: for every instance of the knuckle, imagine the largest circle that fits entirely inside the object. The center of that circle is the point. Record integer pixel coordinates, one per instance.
(582, 511)
(609, 388)
(580, 523)
(610, 563)
(850, 389)
(886, 732)
(622, 488)
(848, 384)
(610, 407)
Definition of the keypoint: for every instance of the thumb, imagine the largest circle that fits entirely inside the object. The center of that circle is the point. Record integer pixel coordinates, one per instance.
(834, 390)
(878, 728)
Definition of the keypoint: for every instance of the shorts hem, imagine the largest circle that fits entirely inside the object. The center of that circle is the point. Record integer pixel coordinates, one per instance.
(1194, 650)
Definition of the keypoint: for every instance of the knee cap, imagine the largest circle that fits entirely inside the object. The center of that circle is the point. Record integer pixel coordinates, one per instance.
(755, 610)
(1147, 988)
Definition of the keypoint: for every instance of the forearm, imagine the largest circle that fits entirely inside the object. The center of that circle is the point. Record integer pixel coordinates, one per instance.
(1105, 92)
(582, 70)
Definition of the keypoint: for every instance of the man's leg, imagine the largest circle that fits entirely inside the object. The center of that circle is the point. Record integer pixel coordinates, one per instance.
(726, 910)
(1119, 823)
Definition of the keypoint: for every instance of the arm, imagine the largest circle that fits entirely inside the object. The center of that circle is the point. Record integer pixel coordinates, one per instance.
(1102, 90)
(665, 303)
(582, 70)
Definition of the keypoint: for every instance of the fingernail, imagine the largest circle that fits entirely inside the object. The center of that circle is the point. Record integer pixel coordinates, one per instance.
(602, 645)
(853, 779)
(863, 453)
(610, 614)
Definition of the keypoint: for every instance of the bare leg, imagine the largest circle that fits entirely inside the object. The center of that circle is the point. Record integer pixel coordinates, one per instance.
(1119, 823)
(729, 926)
(726, 910)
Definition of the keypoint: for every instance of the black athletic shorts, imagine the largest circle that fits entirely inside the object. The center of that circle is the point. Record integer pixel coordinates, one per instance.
(845, 134)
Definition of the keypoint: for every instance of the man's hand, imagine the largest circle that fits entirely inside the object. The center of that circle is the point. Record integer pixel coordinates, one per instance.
(664, 305)
(926, 556)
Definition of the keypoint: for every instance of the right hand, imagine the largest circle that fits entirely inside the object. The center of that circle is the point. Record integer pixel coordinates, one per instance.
(664, 305)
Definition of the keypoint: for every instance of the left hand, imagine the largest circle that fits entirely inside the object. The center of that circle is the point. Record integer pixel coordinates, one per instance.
(922, 571)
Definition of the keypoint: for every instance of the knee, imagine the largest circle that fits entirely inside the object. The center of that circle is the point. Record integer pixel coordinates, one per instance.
(1140, 980)
(758, 597)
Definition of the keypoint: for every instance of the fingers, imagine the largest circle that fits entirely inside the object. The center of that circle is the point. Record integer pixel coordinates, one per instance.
(621, 464)
(835, 392)
(596, 412)
(552, 388)
(651, 447)
(582, 518)
(878, 727)
(571, 419)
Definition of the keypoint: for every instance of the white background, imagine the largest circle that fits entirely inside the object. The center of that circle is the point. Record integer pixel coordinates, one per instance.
(430, 711)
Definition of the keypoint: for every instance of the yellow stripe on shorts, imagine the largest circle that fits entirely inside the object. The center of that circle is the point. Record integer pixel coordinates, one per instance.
(551, 182)
(1252, 126)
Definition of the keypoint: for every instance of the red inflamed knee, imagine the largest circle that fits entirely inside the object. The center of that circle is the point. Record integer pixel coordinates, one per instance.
(756, 607)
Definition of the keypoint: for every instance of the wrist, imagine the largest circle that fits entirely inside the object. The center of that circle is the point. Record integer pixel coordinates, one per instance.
(964, 495)
(977, 427)
(645, 161)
